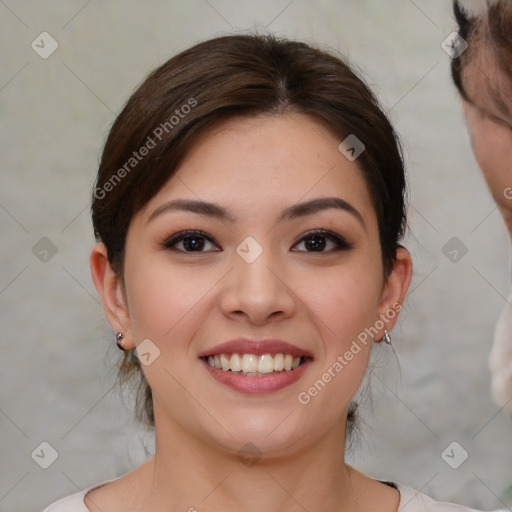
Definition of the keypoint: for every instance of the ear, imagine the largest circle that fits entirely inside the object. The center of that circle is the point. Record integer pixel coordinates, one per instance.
(394, 291)
(111, 292)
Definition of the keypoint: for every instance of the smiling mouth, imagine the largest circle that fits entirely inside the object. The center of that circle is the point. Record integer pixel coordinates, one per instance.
(252, 365)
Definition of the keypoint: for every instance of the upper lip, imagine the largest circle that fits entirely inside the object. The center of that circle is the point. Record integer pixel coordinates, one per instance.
(257, 347)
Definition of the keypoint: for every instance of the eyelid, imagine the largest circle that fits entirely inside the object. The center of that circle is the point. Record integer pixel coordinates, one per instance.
(340, 241)
(180, 235)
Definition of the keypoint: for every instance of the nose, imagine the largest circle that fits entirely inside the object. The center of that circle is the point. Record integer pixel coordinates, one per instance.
(257, 292)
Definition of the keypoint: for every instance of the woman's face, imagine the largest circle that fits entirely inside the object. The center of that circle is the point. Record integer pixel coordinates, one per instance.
(490, 130)
(257, 271)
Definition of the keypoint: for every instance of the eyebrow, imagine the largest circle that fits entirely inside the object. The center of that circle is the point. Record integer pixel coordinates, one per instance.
(292, 212)
(494, 118)
(498, 102)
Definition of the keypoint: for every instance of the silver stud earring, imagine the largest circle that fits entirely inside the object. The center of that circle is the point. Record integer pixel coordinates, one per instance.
(386, 338)
(119, 343)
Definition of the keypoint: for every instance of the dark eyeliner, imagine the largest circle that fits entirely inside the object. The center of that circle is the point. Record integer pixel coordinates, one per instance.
(169, 242)
(341, 243)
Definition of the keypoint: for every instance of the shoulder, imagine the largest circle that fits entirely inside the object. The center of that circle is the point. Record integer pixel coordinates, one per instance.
(414, 501)
(74, 502)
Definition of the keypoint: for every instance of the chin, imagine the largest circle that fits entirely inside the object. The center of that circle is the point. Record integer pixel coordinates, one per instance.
(273, 433)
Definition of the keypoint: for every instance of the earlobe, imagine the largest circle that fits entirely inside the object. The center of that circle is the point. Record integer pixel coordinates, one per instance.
(394, 290)
(110, 290)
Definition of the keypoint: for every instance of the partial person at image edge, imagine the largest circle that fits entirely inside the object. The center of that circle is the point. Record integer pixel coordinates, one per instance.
(483, 77)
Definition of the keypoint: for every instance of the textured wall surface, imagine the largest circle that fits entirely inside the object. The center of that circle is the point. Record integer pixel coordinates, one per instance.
(58, 358)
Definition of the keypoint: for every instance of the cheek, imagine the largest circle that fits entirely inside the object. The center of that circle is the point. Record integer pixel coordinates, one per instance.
(164, 297)
(493, 152)
(487, 150)
(352, 313)
(492, 146)
(344, 301)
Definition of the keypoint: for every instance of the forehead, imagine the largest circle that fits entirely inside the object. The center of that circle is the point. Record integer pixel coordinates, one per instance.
(265, 161)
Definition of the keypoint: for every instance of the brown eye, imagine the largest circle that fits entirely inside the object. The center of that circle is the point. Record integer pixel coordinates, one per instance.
(191, 241)
(317, 241)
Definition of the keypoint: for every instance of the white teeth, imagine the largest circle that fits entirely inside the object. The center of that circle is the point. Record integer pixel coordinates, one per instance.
(224, 361)
(235, 363)
(251, 364)
(265, 364)
(279, 362)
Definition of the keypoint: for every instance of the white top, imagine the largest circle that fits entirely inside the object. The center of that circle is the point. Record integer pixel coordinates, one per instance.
(500, 359)
(410, 501)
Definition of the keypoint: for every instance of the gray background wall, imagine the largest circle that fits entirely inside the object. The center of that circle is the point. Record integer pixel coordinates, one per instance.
(58, 358)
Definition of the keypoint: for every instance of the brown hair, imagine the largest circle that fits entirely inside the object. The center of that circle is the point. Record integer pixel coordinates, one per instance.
(237, 75)
(489, 41)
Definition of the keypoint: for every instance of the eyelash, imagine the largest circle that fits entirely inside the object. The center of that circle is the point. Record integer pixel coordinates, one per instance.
(340, 242)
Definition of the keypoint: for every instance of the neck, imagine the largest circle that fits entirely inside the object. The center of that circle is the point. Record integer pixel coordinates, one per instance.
(189, 474)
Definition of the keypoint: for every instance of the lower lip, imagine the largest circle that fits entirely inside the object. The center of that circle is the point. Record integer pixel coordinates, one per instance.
(256, 385)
